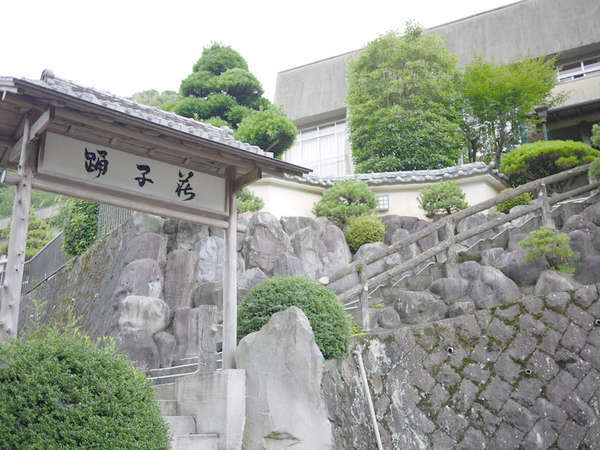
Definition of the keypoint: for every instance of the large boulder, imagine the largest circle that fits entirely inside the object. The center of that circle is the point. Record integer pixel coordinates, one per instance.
(419, 307)
(578, 222)
(147, 246)
(284, 367)
(582, 242)
(287, 264)
(165, 342)
(146, 223)
(551, 281)
(265, 243)
(493, 288)
(367, 251)
(195, 333)
(588, 270)
(450, 289)
(310, 249)
(210, 259)
(190, 235)
(592, 214)
(470, 222)
(405, 254)
(139, 347)
(143, 313)
(247, 280)
(338, 253)
(393, 223)
(522, 272)
(292, 224)
(140, 277)
(179, 278)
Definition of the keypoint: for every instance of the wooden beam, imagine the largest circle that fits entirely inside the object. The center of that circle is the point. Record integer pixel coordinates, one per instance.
(230, 277)
(246, 179)
(120, 199)
(11, 289)
(42, 124)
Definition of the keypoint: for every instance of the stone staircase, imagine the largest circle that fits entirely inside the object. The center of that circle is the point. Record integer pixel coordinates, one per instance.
(184, 432)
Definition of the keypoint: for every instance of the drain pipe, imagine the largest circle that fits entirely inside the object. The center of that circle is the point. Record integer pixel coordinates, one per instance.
(357, 355)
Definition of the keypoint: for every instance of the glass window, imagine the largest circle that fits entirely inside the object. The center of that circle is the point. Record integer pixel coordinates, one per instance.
(383, 202)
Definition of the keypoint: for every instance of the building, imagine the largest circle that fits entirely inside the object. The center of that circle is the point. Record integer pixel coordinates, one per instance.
(313, 95)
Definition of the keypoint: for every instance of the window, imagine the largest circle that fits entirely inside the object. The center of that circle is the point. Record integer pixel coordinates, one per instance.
(585, 68)
(325, 149)
(383, 202)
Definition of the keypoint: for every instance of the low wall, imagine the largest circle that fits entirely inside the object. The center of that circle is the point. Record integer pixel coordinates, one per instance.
(523, 375)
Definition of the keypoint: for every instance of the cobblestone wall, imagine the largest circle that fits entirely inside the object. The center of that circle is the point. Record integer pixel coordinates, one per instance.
(524, 374)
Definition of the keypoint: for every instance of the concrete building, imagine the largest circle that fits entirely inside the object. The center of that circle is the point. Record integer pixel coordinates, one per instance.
(313, 95)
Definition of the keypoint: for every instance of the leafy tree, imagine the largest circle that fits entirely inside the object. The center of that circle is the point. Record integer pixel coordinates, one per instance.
(39, 233)
(404, 104)
(248, 201)
(345, 199)
(152, 97)
(445, 197)
(60, 390)
(544, 242)
(39, 199)
(221, 91)
(79, 226)
(499, 97)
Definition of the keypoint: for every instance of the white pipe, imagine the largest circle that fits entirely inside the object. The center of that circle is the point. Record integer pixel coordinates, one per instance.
(363, 375)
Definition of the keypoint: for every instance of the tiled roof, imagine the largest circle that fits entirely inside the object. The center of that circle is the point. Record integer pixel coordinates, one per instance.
(223, 135)
(410, 176)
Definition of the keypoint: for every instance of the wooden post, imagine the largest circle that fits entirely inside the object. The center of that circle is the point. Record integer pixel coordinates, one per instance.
(546, 211)
(11, 289)
(364, 297)
(452, 262)
(230, 278)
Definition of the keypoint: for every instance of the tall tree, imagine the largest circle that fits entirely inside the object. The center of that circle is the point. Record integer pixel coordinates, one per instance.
(222, 91)
(501, 97)
(404, 104)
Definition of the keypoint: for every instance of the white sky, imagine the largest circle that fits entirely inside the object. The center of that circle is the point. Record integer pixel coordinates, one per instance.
(129, 45)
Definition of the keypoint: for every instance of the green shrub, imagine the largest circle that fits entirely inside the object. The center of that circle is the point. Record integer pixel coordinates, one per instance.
(594, 170)
(269, 128)
(248, 201)
(345, 199)
(543, 158)
(522, 199)
(60, 390)
(363, 230)
(596, 135)
(322, 308)
(39, 233)
(216, 121)
(79, 226)
(445, 197)
(554, 246)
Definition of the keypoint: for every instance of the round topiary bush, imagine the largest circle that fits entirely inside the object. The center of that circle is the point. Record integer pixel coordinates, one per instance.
(322, 308)
(543, 158)
(59, 390)
(345, 199)
(363, 230)
(506, 206)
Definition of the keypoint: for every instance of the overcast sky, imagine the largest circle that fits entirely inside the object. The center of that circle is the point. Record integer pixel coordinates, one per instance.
(127, 46)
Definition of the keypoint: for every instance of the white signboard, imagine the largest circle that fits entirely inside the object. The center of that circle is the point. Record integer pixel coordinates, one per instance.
(73, 159)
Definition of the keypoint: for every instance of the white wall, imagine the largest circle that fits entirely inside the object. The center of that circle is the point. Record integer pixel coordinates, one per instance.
(288, 198)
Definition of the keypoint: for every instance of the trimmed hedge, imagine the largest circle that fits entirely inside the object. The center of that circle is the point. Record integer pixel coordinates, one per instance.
(363, 230)
(523, 199)
(345, 199)
(543, 158)
(59, 390)
(322, 308)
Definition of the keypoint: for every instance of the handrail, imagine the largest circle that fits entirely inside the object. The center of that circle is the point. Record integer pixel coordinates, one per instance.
(452, 238)
(456, 217)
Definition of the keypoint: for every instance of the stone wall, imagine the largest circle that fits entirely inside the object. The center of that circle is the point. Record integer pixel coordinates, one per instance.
(520, 374)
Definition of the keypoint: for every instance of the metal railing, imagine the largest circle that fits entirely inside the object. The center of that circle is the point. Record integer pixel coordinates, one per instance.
(349, 297)
(45, 263)
(111, 217)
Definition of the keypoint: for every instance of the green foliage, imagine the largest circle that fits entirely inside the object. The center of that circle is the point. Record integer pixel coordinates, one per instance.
(60, 390)
(79, 226)
(248, 201)
(363, 230)
(39, 233)
(445, 197)
(522, 199)
(543, 158)
(596, 135)
(499, 97)
(404, 104)
(39, 199)
(345, 199)
(269, 128)
(219, 58)
(322, 308)
(152, 97)
(544, 242)
(594, 170)
(221, 91)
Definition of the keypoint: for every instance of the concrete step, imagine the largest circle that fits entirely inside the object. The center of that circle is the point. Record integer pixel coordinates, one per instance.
(174, 370)
(180, 425)
(200, 441)
(164, 391)
(168, 407)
